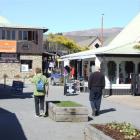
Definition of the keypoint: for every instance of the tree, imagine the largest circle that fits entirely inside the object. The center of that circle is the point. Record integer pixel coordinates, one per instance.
(70, 44)
(137, 46)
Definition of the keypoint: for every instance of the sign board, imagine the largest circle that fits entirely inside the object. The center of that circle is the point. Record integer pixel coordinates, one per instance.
(8, 46)
(24, 68)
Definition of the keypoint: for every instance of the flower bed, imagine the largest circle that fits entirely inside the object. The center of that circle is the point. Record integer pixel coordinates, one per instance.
(112, 131)
(67, 111)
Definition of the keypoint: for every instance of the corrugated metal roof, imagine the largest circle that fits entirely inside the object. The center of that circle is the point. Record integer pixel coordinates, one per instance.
(9, 25)
(124, 49)
(4, 23)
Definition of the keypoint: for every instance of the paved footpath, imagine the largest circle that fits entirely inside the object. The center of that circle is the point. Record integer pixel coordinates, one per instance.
(18, 122)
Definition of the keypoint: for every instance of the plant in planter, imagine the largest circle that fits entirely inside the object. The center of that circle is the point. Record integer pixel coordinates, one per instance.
(67, 111)
(67, 104)
(112, 131)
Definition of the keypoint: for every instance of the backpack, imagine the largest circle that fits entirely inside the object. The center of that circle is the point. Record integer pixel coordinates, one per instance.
(40, 86)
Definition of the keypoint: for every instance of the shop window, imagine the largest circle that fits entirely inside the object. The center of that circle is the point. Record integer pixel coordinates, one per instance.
(85, 70)
(112, 71)
(129, 68)
(26, 65)
(125, 70)
(139, 68)
(92, 66)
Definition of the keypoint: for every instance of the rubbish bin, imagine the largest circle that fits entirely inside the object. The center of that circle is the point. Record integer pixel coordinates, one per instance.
(69, 88)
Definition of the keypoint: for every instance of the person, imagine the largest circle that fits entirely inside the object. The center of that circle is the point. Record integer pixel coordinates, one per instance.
(96, 83)
(66, 74)
(39, 96)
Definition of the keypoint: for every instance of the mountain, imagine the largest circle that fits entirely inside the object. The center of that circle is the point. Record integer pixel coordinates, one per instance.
(95, 32)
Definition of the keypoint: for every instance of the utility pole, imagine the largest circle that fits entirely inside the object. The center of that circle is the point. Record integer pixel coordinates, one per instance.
(102, 24)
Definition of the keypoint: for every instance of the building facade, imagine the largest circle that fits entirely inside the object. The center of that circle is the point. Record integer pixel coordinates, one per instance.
(21, 50)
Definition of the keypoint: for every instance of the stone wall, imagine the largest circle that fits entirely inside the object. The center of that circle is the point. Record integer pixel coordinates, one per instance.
(12, 70)
(37, 60)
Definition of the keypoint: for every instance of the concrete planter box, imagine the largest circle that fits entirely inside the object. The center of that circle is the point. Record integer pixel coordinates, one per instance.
(68, 114)
(91, 133)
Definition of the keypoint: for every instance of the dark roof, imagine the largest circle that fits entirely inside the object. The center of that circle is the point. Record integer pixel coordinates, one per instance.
(9, 25)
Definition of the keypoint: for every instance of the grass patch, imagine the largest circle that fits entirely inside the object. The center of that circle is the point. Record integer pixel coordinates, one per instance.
(68, 104)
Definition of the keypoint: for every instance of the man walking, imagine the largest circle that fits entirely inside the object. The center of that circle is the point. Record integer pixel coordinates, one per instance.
(95, 84)
(41, 88)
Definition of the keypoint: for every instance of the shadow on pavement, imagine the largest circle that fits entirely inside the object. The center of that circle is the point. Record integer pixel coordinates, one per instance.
(7, 92)
(107, 110)
(10, 128)
(72, 94)
(90, 119)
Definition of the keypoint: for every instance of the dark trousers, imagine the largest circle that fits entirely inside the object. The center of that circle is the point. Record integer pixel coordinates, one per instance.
(95, 98)
(39, 104)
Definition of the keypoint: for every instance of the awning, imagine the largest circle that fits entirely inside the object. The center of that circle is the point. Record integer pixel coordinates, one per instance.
(49, 53)
(79, 55)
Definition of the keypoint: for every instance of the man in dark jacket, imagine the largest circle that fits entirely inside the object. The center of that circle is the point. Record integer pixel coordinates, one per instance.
(95, 84)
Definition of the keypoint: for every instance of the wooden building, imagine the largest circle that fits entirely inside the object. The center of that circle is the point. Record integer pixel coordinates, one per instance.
(21, 49)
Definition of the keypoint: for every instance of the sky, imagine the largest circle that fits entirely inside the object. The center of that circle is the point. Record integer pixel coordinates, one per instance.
(70, 15)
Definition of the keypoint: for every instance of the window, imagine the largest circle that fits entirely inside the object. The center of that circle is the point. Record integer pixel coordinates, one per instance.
(20, 35)
(125, 70)
(138, 67)
(97, 45)
(36, 37)
(111, 65)
(26, 65)
(33, 36)
(8, 36)
(85, 70)
(3, 34)
(92, 66)
(25, 35)
(13, 35)
(29, 35)
(129, 68)
(0, 34)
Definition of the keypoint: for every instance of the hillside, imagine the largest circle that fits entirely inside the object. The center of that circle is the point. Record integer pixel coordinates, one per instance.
(95, 32)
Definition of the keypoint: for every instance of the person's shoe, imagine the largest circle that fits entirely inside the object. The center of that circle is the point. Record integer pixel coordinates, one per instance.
(42, 113)
(36, 115)
(96, 113)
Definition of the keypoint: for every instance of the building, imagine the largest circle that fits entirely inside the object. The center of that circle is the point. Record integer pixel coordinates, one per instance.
(91, 42)
(118, 60)
(21, 49)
